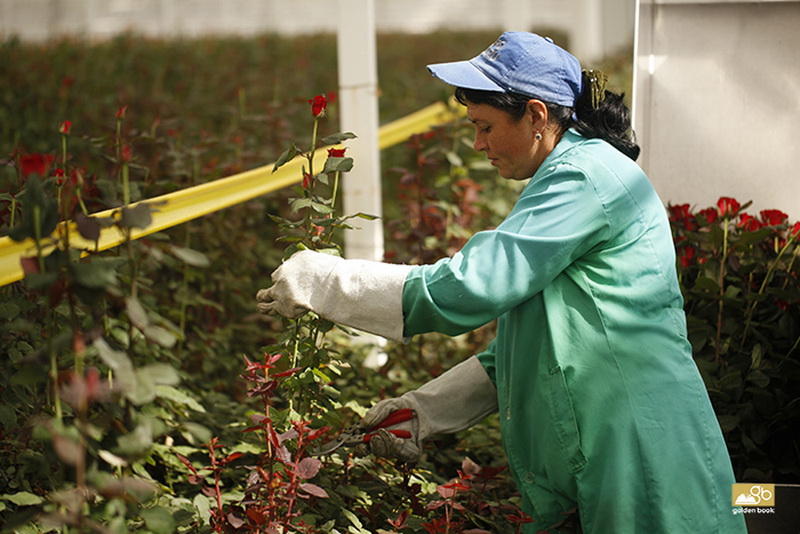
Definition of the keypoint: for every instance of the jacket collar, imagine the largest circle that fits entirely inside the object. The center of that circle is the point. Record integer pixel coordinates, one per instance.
(570, 138)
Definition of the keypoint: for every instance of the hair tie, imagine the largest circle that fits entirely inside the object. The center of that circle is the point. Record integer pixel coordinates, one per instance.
(597, 85)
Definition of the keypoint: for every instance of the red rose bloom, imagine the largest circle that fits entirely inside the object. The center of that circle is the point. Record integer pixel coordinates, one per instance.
(35, 164)
(749, 223)
(795, 230)
(318, 105)
(120, 114)
(773, 217)
(709, 214)
(65, 127)
(679, 212)
(307, 180)
(727, 206)
(336, 152)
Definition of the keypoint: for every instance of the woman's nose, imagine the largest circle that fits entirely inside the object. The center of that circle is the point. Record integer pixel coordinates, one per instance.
(479, 144)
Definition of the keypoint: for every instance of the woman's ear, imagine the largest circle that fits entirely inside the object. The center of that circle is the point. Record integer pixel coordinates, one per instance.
(537, 113)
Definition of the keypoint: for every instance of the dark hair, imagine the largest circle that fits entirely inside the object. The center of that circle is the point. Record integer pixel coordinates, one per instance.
(610, 121)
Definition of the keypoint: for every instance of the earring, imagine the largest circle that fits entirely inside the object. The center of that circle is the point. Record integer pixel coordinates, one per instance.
(538, 136)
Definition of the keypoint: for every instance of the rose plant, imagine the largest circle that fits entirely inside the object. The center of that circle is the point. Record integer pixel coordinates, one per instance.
(740, 275)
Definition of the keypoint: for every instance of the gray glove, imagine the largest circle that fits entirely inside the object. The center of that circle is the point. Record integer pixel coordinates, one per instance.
(363, 294)
(453, 401)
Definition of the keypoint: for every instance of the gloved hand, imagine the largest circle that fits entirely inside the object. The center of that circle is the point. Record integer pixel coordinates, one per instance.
(367, 295)
(455, 400)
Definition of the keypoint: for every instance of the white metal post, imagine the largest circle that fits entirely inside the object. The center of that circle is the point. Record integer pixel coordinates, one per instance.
(358, 100)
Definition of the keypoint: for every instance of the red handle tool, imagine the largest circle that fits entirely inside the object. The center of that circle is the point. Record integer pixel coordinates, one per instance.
(396, 417)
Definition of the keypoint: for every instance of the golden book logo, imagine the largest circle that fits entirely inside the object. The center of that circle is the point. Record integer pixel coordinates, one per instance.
(753, 495)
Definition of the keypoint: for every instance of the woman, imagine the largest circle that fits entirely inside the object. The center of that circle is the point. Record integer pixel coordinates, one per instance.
(601, 405)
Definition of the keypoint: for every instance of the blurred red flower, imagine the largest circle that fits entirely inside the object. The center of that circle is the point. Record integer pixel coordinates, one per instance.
(749, 223)
(318, 105)
(307, 180)
(65, 127)
(728, 206)
(35, 164)
(687, 255)
(120, 114)
(127, 153)
(709, 214)
(795, 230)
(679, 212)
(773, 217)
(336, 152)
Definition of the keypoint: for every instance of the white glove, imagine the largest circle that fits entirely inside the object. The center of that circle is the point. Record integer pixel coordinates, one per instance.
(367, 295)
(455, 400)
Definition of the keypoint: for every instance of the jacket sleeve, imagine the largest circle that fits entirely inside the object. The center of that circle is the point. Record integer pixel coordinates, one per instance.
(557, 219)
(487, 359)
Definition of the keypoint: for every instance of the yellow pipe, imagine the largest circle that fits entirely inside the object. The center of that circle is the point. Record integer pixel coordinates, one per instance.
(178, 207)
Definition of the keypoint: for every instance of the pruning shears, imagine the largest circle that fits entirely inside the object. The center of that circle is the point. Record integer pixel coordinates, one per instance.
(356, 435)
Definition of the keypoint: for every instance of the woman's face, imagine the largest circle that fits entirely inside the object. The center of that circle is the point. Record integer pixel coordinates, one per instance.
(509, 144)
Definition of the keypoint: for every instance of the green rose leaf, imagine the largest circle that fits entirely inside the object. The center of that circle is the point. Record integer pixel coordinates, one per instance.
(160, 335)
(300, 203)
(119, 363)
(136, 312)
(139, 216)
(159, 520)
(88, 227)
(334, 164)
(179, 397)
(137, 442)
(190, 257)
(287, 156)
(335, 139)
(22, 498)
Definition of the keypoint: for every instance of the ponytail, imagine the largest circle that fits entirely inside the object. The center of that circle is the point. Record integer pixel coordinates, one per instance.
(603, 114)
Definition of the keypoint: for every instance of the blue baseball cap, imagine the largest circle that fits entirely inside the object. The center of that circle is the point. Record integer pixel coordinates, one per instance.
(518, 62)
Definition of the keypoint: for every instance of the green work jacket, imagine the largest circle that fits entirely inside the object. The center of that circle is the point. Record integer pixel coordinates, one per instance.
(600, 402)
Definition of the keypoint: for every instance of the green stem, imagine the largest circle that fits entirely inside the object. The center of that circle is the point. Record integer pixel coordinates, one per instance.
(37, 233)
(64, 152)
(767, 278)
(721, 281)
(295, 354)
(126, 186)
(13, 211)
(54, 379)
(335, 189)
(182, 295)
(118, 139)
(791, 264)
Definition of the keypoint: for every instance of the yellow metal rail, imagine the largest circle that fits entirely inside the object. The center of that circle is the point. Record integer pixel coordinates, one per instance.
(193, 202)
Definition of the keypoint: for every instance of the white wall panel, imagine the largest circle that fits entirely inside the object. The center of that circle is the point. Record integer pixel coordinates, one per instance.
(718, 101)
